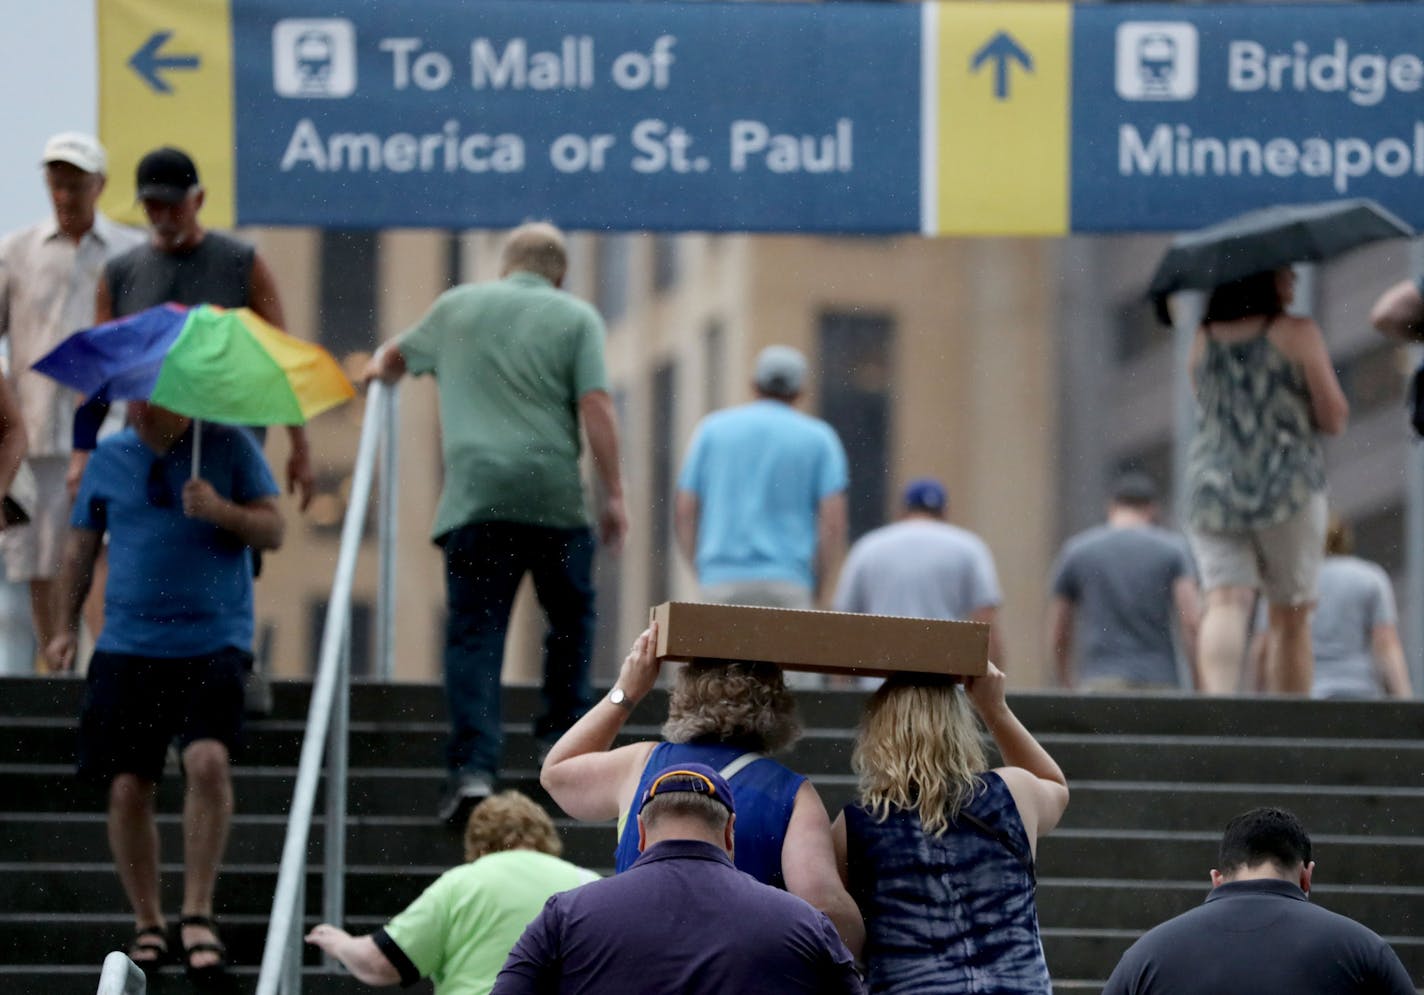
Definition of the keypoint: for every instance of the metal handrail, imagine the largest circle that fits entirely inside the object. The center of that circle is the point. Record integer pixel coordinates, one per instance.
(328, 715)
(121, 976)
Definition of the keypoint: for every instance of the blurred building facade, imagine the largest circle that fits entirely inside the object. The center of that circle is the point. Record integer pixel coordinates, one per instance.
(1024, 373)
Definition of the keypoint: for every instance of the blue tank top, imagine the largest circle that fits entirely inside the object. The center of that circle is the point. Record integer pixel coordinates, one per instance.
(951, 914)
(765, 793)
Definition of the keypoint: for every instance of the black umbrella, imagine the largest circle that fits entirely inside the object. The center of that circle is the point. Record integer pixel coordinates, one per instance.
(1269, 239)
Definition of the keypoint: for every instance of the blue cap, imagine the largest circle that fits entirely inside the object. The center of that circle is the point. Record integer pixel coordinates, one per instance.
(696, 778)
(926, 494)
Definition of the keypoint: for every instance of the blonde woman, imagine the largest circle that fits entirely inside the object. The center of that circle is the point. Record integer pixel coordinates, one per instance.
(728, 716)
(939, 851)
(460, 930)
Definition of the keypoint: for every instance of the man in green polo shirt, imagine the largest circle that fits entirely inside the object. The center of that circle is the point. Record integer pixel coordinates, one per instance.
(519, 365)
(460, 930)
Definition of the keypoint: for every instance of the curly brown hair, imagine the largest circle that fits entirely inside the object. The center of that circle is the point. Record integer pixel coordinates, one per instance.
(510, 821)
(746, 704)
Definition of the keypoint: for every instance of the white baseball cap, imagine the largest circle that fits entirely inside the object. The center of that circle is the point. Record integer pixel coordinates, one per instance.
(77, 149)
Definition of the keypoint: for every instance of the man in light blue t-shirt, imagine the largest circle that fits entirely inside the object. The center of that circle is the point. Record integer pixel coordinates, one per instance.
(761, 500)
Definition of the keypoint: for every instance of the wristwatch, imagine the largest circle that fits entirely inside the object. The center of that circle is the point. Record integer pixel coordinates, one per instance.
(620, 698)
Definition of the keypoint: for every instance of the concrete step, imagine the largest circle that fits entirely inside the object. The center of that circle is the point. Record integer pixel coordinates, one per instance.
(1043, 712)
(63, 979)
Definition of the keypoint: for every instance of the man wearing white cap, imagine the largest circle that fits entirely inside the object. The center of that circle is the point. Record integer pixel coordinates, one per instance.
(761, 499)
(48, 274)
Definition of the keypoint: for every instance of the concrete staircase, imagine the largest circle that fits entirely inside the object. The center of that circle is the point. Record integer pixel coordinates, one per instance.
(1153, 780)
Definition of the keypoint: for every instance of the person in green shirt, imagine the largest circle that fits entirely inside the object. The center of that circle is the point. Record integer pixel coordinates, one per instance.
(460, 930)
(519, 366)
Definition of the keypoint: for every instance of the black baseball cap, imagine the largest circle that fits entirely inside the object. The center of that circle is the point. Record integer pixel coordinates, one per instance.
(165, 174)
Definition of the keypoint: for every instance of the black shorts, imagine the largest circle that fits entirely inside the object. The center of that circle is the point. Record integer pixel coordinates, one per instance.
(136, 706)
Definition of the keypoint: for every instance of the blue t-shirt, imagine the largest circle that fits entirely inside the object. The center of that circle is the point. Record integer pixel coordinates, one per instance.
(178, 587)
(759, 472)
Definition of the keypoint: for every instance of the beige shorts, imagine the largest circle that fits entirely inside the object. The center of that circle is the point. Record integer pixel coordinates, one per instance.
(1282, 560)
(33, 551)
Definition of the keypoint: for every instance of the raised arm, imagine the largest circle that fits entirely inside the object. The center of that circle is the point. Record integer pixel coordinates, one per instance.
(582, 774)
(810, 867)
(1399, 312)
(256, 523)
(600, 424)
(1033, 777)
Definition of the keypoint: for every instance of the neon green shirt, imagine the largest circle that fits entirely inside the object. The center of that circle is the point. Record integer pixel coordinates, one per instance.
(511, 358)
(460, 930)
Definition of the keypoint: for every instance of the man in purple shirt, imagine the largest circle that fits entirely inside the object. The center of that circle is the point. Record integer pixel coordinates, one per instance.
(682, 918)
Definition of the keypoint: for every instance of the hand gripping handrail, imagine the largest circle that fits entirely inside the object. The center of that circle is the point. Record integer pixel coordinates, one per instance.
(328, 715)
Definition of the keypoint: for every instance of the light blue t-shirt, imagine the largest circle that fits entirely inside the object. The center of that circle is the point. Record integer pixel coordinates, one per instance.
(760, 472)
(178, 587)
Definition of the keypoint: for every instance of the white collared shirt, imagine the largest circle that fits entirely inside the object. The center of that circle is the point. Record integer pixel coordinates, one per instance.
(47, 287)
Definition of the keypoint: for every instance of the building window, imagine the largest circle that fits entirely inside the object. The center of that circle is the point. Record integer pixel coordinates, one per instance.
(660, 445)
(347, 320)
(665, 261)
(362, 634)
(454, 259)
(612, 294)
(714, 363)
(855, 364)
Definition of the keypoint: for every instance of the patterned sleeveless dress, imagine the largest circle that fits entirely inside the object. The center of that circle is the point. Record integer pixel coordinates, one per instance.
(1255, 459)
(951, 914)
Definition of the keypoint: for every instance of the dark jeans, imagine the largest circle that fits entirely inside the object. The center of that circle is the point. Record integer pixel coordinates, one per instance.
(484, 563)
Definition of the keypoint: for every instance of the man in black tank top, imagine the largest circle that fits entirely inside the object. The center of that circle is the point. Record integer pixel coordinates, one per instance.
(186, 264)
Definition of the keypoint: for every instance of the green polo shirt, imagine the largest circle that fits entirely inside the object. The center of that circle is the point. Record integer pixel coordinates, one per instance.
(511, 358)
(460, 930)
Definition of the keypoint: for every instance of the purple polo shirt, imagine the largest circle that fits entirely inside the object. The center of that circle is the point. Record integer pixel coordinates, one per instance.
(682, 919)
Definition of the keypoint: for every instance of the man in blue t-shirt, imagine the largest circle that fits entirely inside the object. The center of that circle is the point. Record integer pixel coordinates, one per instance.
(761, 500)
(170, 660)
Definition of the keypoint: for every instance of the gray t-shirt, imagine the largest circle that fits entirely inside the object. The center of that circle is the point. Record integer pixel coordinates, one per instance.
(1354, 596)
(1120, 582)
(921, 569)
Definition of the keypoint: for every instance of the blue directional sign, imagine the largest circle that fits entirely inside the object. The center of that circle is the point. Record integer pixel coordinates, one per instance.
(948, 117)
(1183, 115)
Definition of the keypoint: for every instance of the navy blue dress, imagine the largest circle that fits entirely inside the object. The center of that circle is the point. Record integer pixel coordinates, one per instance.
(951, 914)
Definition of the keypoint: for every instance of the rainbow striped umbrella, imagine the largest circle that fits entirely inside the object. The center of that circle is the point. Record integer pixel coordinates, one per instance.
(209, 363)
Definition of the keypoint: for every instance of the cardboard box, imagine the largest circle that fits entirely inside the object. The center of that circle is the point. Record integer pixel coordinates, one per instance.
(825, 642)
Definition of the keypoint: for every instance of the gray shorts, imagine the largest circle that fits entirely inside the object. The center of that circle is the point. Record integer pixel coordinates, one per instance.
(1282, 560)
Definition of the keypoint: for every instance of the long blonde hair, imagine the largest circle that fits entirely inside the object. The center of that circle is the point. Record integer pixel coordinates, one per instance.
(919, 749)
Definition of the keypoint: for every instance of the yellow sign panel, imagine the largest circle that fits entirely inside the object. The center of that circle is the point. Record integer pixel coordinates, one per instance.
(165, 78)
(997, 118)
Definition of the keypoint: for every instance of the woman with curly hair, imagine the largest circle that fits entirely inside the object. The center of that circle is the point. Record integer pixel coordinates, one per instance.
(939, 850)
(727, 715)
(460, 930)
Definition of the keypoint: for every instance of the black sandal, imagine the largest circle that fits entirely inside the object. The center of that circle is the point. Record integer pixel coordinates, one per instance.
(143, 943)
(209, 976)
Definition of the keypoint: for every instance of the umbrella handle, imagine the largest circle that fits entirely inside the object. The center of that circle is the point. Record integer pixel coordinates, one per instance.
(197, 447)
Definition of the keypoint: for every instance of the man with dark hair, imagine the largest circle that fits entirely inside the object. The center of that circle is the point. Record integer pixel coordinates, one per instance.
(924, 567)
(1257, 933)
(519, 364)
(1116, 589)
(185, 263)
(683, 918)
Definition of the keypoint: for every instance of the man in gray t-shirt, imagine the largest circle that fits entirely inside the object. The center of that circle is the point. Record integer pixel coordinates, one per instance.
(1116, 589)
(923, 567)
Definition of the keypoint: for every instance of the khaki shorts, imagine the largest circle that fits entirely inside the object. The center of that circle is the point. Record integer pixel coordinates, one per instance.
(33, 551)
(1282, 560)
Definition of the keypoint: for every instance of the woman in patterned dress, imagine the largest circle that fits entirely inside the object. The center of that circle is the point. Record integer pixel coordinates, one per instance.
(1265, 393)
